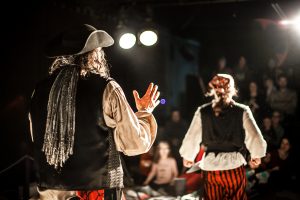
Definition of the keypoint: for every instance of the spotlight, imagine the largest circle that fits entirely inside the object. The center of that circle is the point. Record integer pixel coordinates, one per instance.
(148, 38)
(285, 22)
(297, 24)
(294, 23)
(127, 40)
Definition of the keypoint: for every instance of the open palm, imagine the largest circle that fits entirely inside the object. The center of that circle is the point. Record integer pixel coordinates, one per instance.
(149, 101)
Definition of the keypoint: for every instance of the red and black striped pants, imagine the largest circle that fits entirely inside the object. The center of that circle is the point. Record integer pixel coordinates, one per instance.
(225, 184)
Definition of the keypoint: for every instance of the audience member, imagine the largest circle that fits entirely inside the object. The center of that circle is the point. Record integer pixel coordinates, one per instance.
(175, 128)
(285, 99)
(280, 165)
(277, 127)
(269, 133)
(242, 75)
(221, 67)
(254, 100)
(164, 168)
(269, 87)
(174, 132)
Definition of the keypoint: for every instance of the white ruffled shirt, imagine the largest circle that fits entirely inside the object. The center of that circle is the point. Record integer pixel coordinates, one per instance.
(254, 142)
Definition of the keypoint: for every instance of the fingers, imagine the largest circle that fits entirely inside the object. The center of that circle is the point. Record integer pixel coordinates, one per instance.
(155, 99)
(149, 90)
(136, 95)
(187, 163)
(156, 103)
(255, 161)
(253, 165)
(156, 96)
(153, 92)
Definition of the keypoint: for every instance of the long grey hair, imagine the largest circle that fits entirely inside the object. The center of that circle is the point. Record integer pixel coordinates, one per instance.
(60, 124)
(90, 62)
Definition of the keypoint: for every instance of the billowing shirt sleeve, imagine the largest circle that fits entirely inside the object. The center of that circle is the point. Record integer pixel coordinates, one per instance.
(134, 133)
(254, 140)
(191, 142)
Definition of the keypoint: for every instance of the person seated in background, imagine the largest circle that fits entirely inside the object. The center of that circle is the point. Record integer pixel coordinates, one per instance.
(174, 132)
(253, 100)
(164, 168)
(278, 165)
(269, 87)
(285, 99)
(242, 75)
(269, 133)
(221, 67)
(175, 128)
(277, 127)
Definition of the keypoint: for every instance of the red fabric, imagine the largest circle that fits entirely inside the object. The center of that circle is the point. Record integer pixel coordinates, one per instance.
(194, 180)
(225, 184)
(145, 163)
(200, 154)
(91, 195)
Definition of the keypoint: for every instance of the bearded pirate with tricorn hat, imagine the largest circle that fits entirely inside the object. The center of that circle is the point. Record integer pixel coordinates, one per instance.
(81, 120)
(225, 129)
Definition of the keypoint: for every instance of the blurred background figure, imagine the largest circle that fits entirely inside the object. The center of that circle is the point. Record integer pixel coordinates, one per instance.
(175, 128)
(269, 88)
(242, 74)
(222, 67)
(285, 99)
(277, 127)
(280, 165)
(254, 100)
(277, 172)
(174, 132)
(164, 168)
(269, 133)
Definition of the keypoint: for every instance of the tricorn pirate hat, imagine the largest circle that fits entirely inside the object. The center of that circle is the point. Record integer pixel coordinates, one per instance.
(78, 40)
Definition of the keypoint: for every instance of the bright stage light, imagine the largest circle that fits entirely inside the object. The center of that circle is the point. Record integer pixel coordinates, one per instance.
(148, 38)
(294, 23)
(297, 24)
(285, 22)
(127, 40)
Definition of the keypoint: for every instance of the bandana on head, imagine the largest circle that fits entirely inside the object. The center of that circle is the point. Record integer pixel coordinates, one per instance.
(222, 88)
(220, 84)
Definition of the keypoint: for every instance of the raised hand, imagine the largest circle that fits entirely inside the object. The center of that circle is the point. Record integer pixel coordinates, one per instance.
(149, 101)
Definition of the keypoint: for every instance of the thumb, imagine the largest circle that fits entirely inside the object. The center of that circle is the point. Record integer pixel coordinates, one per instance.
(136, 95)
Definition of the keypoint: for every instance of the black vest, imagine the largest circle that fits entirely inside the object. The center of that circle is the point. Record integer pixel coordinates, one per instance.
(223, 133)
(95, 162)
